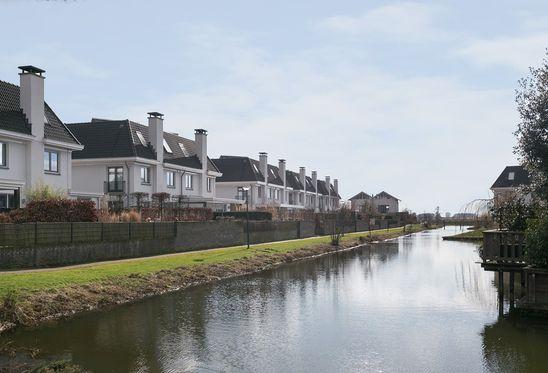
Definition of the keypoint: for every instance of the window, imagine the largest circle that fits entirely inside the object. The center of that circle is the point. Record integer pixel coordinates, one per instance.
(300, 198)
(511, 176)
(270, 195)
(141, 138)
(170, 179)
(188, 181)
(209, 184)
(145, 175)
(183, 149)
(115, 179)
(276, 194)
(260, 192)
(51, 161)
(255, 167)
(166, 147)
(3, 154)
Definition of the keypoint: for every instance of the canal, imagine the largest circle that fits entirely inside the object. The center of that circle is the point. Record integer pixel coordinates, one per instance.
(414, 304)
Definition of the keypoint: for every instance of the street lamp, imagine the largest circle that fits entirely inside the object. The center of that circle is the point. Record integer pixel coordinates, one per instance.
(246, 190)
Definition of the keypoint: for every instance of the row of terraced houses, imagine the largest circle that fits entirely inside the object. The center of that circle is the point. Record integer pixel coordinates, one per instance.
(117, 159)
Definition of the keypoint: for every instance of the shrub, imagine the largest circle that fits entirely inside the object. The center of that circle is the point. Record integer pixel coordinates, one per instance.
(513, 214)
(177, 214)
(5, 218)
(536, 241)
(130, 216)
(41, 192)
(242, 215)
(55, 210)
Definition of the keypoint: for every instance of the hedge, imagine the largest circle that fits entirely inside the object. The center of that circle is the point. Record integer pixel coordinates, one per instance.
(55, 210)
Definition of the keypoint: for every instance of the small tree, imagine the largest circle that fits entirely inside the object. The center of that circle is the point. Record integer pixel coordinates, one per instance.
(160, 199)
(139, 198)
(532, 132)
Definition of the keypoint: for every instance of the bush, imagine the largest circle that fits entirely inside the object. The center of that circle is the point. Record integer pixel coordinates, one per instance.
(41, 192)
(177, 214)
(536, 242)
(242, 215)
(55, 210)
(513, 214)
(5, 218)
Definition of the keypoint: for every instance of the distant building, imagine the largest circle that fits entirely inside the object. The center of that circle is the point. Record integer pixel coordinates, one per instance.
(509, 183)
(382, 203)
(275, 186)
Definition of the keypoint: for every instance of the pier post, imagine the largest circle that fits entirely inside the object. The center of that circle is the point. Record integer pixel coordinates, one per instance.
(512, 290)
(522, 283)
(501, 293)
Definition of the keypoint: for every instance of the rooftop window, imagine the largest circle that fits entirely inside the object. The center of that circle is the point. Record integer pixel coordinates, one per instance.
(511, 175)
(167, 147)
(183, 149)
(141, 138)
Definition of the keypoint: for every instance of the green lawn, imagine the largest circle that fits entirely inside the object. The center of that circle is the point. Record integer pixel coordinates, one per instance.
(476, 234)
(23, 282)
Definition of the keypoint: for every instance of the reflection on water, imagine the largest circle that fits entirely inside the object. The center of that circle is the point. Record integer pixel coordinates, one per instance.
(413, 304)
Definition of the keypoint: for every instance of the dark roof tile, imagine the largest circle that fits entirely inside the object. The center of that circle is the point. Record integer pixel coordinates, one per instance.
(521, 177)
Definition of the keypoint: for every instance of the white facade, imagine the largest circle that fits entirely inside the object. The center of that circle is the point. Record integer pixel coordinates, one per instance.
(23, 156)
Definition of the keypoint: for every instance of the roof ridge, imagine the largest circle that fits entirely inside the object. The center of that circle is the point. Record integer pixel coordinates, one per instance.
(15, 85)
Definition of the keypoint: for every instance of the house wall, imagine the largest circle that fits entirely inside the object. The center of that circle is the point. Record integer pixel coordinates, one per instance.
(16, 167)
(62, 179)
(391, 202)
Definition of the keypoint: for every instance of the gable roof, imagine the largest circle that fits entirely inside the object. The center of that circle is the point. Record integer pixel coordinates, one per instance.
(361, 195)
(119, 138)
(13, 119)
(383, 194)
(310, 185)
(236, 168)
(292, 180)
(521, 177)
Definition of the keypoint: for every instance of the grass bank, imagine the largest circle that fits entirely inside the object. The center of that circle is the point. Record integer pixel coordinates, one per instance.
(472, 235)
(31, 297)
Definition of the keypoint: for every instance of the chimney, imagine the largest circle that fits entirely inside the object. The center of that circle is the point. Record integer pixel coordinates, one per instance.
(263, 165)
(328, 186)
(336, 185)
(156, 133)
(31, 98)
(302, 177)
(282, 174)
(315, 185)
(200, 137)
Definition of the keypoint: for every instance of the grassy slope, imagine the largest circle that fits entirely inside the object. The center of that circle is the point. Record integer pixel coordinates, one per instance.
(476, 234)
(20, 283)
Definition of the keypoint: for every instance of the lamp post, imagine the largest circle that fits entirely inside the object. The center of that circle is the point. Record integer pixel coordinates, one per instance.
(246, 190)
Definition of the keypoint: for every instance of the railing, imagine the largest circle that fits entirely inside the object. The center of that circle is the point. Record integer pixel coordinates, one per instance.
(112, 187)
(503, 247)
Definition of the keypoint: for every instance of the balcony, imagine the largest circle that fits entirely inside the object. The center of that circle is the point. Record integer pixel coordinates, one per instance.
(114, 187)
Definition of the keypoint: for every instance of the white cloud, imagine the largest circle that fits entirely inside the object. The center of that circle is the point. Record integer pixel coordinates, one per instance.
(406, 21)
(416, 137)
(517, 52)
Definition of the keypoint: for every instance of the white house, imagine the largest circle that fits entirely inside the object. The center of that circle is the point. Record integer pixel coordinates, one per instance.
(382, 203)
(509, 183)
(122, 158)
(274, 186)
(35, 145)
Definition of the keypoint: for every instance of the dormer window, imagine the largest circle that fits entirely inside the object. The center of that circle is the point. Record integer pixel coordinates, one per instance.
(511, 175)
(183, 149)
(141, 138)
(255, 167)
(167, 147)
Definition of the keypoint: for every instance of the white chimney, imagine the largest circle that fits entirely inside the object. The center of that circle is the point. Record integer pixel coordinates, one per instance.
(200, 138)
(156, 133)
(282, 174)
(336, 185)
(263, 165)
(31, 101)
(328, 185)
(31, 98)
(302, 177)
(315, 185)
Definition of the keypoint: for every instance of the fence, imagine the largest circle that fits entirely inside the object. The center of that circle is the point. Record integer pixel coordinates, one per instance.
(503, 246)
(34, 245)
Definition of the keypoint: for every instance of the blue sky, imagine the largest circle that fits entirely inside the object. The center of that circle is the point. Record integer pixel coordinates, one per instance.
(415, 98)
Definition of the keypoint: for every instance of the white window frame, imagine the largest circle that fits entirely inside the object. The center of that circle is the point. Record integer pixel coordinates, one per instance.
(170, 181)
(167, 148)
(141, 138)
(49, 168)
(3, 154)
(183, 149)
(511, 175)
(189, 181)
(145, 180)
(209, 184)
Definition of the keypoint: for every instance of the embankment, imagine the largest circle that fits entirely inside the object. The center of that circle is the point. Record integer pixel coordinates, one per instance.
(28, 298)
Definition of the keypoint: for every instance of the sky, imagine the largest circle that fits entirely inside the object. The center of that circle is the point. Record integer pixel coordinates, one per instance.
(414, 98)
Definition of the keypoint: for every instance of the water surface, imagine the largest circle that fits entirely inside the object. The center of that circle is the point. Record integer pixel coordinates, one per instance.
(414, 304)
